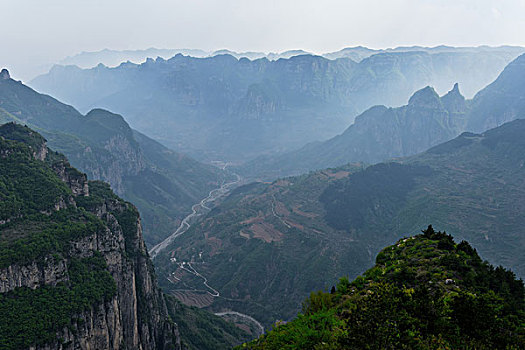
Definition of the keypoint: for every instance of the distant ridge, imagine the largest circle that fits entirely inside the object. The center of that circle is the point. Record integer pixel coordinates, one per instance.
(382, 133)
(226, 108)
(112, 58)
(378, 134)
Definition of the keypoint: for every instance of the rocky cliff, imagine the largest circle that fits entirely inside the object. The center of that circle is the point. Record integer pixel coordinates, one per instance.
(75, 275)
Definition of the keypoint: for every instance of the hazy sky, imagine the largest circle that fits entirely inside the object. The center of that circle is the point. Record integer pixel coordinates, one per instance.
(39, 32)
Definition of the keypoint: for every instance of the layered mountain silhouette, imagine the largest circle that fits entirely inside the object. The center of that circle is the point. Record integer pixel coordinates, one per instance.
(378, 134)
(382, 133)
(226, 108)
(501, 101)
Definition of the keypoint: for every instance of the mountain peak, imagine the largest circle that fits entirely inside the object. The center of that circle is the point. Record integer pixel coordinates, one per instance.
(454, 93)
(453, 101)
(426, 97)
(455, 89)
(4, 74)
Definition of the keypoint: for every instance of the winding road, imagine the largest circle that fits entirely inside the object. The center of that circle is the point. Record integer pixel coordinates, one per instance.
(185, 224)
(194, 272)
(259, 325)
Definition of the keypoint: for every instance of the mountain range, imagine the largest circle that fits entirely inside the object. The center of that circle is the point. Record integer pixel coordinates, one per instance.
(162, 183)
(224, 108)
(382, 133)
(269, 244)
(112, 58)
(74, 268)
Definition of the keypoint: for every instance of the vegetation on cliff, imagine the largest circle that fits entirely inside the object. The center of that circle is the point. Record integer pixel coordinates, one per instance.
(34, 316)
(70, 251)
(40, 221)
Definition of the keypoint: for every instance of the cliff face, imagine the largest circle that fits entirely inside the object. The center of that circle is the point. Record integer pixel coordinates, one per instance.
(133, 314)
(502, 101)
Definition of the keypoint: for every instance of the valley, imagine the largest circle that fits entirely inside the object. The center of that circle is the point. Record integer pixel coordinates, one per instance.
(196, 211)
(307, 231)
(162, 183)
(188, 199)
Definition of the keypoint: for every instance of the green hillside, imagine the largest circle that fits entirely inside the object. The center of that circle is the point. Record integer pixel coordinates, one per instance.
(269, 244)
(39, 222)
(424, 292)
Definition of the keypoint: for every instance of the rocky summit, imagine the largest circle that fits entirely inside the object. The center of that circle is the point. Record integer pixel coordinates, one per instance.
(4, 74)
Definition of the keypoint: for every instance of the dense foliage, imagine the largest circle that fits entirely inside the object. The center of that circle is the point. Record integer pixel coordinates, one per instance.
(40, 220)
(425, 292)
(26, 185)
(30, 190)
(33, 316)
(34, 237)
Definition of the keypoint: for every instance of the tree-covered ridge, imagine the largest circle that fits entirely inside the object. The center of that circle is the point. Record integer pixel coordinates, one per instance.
(29, 138)
(41, 219)
(425, 292)
(39, 215)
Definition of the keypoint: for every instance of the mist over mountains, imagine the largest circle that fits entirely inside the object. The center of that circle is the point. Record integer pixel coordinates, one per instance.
(382, 133)
(348, 151)
(378, 134)
(113, 58)
(235, 109)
